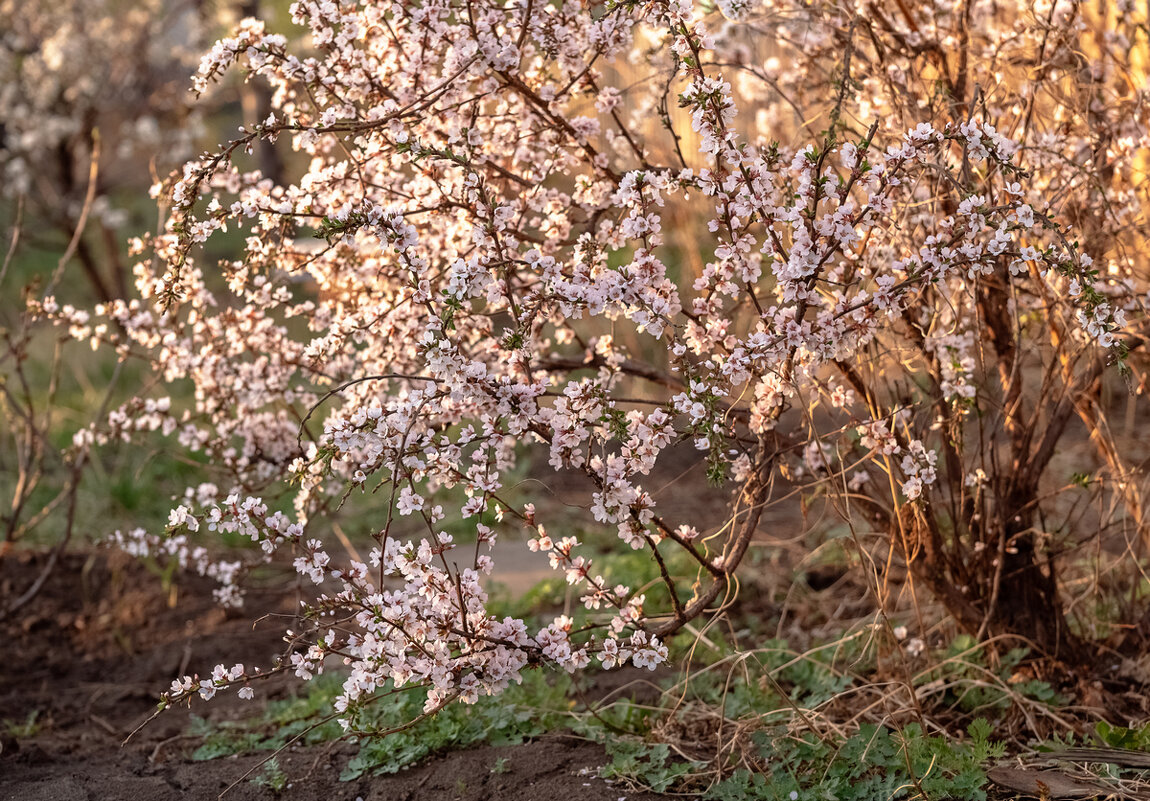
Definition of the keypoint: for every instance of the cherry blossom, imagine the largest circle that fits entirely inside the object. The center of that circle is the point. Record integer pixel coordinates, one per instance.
(482, 249)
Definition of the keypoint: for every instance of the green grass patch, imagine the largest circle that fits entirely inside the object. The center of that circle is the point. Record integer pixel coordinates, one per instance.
(874, 763)
(539, 705)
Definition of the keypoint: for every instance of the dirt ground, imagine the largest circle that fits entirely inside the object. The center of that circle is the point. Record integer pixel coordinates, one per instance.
(83, 665)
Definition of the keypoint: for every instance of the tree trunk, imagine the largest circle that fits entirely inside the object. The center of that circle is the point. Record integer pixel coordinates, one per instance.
(1018, 601)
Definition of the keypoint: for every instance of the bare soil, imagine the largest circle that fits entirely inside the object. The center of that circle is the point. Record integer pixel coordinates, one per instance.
(83, 665)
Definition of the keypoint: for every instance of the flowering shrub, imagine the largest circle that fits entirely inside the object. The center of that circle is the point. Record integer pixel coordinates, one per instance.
(500, 231)
(92, 100)
(74, 71)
